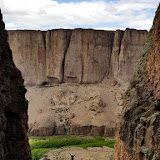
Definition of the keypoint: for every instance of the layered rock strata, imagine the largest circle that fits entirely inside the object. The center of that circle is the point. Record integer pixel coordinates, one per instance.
(13, 106)
(63, 69)
(138, 130)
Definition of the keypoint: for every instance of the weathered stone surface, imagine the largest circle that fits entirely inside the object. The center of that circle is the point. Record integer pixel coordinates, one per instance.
(138, 129)
(57, 43)
(13, 106)
(88, 56)
(75, 56)
(29, 55)
(116, 51)
(131, 47)
(92, 130)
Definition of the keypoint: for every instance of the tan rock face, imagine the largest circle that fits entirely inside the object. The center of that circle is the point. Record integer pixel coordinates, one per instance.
(131, 47)
(116, 51)
(138, 129)
(13, 106)
(88, 56)
(57, 42)
(83, 60)
(29, 57)
(75, 56)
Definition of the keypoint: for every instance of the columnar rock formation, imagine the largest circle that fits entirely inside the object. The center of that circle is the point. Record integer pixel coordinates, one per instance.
(138, 130)
(75, 56)
(66, 73)
(13, 106)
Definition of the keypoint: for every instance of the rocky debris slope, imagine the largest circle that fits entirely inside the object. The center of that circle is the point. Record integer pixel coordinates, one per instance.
(75, 56)
(138, 130)
(13, 106)
(67, 75)
(76, 109)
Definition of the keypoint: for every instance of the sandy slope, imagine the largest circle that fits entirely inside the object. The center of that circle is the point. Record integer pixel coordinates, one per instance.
(71, 104)
(96, 153)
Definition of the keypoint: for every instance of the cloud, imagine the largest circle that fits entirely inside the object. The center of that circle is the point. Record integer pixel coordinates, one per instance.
(47, 14)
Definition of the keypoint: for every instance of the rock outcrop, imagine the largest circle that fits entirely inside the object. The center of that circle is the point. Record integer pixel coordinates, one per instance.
(138, 130)
(75, 56)
(13, 106)
(62, 70)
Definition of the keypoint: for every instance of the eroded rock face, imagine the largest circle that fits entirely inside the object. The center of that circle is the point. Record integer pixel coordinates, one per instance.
(138, 129)
(88, 56)
(75, 56)
(63, 69)
(13, 106)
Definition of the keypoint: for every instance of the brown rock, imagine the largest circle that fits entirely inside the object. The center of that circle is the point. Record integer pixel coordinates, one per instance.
(90, 52)
(42, 131)
(138, 129)
(116, 51)
(75, 56)
(131, 47)
(92, 130)
(57, 43)
(13, 106)
(30, 57)
(72, 56)
(60, 130)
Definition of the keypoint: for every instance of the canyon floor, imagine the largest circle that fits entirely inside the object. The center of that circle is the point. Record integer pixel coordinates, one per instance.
(96, 153)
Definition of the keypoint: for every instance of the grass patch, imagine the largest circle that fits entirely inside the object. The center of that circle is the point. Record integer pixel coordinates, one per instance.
(41, 145)
(38, 153)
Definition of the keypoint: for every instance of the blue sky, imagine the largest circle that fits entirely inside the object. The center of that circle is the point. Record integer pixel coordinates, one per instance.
(96, 14)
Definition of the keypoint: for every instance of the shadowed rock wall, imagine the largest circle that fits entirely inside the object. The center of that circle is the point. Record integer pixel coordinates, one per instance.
(138, 130)
(13, 106)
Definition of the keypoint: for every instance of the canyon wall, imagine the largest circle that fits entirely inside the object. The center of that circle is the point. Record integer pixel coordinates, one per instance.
(75, 56)
(13, 106)
(138, 130)
(68, 75)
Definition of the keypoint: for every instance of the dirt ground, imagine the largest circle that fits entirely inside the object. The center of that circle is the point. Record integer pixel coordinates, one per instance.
(96, 153)
(75, 104)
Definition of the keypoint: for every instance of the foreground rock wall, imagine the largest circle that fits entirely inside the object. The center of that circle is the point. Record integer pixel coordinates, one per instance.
(13, 106)
(75, 56)
(138, 130)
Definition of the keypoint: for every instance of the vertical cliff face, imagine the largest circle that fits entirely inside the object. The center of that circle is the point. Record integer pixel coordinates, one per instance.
(57, 42)
(138, 129)
(13, 106)
(76, 56)
(66, 73)
(28, 49)
(88, 56)
(131, 47)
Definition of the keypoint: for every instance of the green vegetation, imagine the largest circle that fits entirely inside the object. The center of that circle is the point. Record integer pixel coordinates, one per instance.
(41, 145)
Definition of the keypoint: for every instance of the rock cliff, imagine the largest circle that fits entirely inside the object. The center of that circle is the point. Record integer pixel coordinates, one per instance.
(138, 130)
(68, 75)
(75, 56)
(13, 106)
